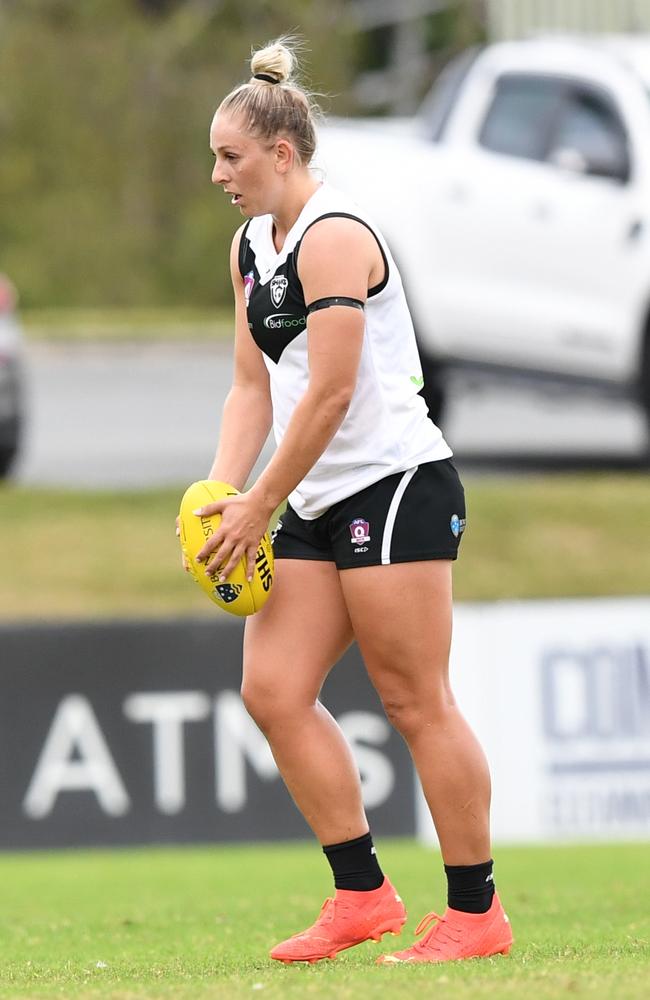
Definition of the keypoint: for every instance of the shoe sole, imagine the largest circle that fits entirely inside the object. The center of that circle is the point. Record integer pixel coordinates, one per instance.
(393, 960)
(393, 927)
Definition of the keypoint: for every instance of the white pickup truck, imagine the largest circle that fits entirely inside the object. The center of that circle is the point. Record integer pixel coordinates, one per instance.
(517, 206)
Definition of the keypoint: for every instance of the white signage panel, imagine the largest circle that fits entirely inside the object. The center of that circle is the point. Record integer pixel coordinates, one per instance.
(558, 692)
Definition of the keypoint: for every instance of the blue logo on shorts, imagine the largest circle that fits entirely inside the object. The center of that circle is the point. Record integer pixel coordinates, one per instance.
(457, 525)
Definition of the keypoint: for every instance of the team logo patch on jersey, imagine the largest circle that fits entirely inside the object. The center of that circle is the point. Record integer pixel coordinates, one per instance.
(457, 525)
(278, 289)
(360, 531)
(228, 592)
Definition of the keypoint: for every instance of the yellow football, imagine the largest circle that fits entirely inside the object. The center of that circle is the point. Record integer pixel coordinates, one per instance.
(235, 595)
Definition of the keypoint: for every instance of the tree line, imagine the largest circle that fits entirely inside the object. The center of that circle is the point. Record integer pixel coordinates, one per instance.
(105, 194)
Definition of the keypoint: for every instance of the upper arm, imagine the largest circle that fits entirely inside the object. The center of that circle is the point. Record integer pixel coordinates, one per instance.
(250, 370)
(336, 258)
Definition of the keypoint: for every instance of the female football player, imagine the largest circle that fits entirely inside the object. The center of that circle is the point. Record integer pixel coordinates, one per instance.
(325, 353)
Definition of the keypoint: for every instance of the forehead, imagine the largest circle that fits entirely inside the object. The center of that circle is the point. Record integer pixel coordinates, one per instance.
(228, 130)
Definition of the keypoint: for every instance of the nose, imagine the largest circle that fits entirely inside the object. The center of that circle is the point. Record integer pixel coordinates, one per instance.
(218, 173)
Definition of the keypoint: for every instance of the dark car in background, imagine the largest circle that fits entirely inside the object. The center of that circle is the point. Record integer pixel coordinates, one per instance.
(10, 375)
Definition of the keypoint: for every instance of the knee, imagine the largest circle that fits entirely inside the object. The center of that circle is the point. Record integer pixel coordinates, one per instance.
(409, 712)
(259, 702)
(268, 705)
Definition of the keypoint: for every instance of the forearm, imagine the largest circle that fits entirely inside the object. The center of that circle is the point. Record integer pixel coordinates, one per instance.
(313, 424)
(245, 425)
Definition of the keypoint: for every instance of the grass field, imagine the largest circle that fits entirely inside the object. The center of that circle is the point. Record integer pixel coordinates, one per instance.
(105, 554)
(198, 923)
(127, 325)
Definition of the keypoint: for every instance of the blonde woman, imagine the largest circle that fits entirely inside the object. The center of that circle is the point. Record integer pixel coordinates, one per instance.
(325, 353)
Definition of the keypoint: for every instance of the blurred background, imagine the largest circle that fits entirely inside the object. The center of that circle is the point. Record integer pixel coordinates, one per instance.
(504, 149)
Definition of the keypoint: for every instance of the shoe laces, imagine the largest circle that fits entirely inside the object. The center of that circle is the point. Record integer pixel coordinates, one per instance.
(331, 909)
(326, 912)
(440, 934)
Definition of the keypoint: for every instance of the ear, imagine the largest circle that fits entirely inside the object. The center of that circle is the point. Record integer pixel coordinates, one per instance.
(285, 155)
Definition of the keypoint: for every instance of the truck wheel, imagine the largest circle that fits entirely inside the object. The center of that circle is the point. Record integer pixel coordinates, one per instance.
(434, 389)
(644, 388)
(9, 446)
(7, 456)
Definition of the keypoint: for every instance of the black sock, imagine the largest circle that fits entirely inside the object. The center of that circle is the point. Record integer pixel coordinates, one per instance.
(354, 864)
(470, 887)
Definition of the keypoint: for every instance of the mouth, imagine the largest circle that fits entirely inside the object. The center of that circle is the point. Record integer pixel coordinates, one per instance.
(235, 199)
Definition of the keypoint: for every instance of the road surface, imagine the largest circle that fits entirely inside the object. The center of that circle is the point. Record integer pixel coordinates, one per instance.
(134, 416)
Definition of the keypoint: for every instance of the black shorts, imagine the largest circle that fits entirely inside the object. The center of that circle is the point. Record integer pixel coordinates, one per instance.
(407, 517)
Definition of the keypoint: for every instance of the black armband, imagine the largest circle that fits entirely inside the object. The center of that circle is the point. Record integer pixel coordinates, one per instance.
(335, 300)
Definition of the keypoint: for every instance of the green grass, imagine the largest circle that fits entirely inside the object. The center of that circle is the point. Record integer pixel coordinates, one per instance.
(81, 554)
(198, 923)
(126, 325)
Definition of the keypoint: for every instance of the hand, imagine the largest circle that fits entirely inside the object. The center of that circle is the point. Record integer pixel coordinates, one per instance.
(244, 519)
(184, 562)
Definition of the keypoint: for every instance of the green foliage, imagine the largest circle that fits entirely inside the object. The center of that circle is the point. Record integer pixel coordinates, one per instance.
(105, 195)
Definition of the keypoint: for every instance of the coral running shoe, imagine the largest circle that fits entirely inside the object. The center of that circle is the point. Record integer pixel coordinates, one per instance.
(347, 919)
(458, 935)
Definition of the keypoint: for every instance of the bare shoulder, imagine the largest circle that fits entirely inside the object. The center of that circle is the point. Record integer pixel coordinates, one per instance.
(332, 235)
(337, 253)
(234, 251)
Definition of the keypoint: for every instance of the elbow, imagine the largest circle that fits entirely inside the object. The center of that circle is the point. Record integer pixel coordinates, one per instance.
(335, 402)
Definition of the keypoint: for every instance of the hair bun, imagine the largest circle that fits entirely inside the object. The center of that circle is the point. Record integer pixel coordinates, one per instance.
(275, 60)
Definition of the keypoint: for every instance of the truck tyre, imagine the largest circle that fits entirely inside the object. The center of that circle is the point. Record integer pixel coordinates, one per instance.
(644, 387)
(9, 447)
(7, 456)
(434, 390)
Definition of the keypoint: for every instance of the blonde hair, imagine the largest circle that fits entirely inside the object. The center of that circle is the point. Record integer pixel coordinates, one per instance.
(279, 105)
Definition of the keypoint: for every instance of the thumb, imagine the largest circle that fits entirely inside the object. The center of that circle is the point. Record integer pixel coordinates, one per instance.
(216, 507)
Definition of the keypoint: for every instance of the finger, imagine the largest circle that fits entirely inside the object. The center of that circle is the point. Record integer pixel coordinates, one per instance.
(232, 563)
(208, 509)
(178, 526)
(216, 565)
(210, 546)
(250, 562)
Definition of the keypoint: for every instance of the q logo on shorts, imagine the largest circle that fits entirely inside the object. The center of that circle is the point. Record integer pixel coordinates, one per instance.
(359, 529)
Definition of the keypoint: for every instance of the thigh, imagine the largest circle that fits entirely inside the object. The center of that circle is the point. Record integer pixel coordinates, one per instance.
(401, 618)
(300, 633)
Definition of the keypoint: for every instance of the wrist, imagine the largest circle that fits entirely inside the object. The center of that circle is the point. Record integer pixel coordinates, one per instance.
(232, 480)
(266, 497)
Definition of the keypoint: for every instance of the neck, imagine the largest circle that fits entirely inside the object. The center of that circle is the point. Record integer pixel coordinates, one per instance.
(293, 202)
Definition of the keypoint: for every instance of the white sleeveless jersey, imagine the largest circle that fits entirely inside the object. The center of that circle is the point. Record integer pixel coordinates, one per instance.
(386, 428)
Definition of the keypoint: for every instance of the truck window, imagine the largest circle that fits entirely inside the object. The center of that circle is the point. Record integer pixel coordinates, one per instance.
(436, 108)
(521, 115)
(590, 126)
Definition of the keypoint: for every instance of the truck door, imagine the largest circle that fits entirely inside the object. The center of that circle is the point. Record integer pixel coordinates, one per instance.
(547, 256)
(487, 222)
(596, 267)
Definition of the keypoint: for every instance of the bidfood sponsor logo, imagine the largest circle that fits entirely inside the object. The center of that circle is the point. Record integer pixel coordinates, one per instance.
(285, 321)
